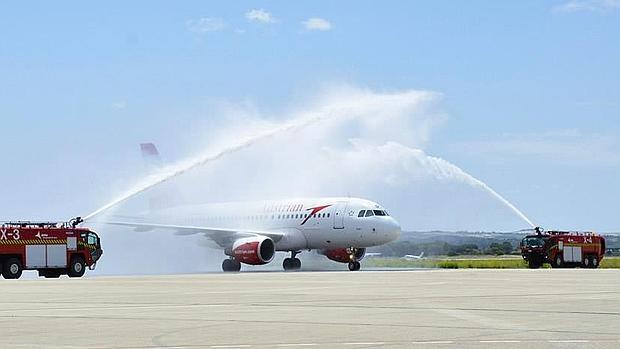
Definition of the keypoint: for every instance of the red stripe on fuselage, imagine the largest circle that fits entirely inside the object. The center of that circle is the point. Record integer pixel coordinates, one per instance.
(314, 211)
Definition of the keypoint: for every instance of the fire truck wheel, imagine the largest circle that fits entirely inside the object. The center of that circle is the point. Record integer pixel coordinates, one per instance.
(12, 269)
(587, 262)
(594, 262)
(77, 267)
(559, 263)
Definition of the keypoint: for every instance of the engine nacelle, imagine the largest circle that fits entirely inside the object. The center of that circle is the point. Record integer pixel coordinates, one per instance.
(254, 250)
(345, 255)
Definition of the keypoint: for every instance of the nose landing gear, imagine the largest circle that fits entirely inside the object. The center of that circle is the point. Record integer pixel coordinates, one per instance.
(292, 263)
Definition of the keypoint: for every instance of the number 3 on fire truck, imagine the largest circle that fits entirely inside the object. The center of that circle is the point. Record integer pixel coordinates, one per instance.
(14, 234)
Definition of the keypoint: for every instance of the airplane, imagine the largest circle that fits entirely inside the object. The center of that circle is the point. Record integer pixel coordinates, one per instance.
(341, 228)
(412, 256)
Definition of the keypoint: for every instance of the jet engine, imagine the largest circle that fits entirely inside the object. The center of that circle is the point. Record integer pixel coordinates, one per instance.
(345, 255)
(254, 250)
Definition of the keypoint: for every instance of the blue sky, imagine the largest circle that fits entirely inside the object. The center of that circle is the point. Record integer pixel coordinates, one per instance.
(529, 88)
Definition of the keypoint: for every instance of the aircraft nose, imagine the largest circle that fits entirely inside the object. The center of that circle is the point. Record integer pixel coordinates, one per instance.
(392, 230)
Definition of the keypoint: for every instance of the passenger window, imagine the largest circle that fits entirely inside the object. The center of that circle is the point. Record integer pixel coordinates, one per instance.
(368, 213)
(361, 214)
(328, 215)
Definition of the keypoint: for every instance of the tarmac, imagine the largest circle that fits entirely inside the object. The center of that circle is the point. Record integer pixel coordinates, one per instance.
(547, 308)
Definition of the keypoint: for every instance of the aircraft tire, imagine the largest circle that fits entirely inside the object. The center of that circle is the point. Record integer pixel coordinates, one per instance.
(354, 266)
(288, 264)
(230, 265)
(296, 263)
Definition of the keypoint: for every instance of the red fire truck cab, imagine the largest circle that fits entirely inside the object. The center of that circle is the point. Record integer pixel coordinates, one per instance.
(563, 249)
(53, 249)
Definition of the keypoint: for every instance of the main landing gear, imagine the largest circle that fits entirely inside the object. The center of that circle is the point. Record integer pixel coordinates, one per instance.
(292, 263)
(354, 266)
(231, 264)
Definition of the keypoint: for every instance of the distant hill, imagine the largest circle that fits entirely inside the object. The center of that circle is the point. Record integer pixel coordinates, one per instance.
(450, 243)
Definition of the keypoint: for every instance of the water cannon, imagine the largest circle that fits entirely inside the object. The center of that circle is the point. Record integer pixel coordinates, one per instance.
(76, 221)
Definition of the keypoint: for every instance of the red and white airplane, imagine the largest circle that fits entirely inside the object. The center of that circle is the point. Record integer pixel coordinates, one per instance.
(251, 232)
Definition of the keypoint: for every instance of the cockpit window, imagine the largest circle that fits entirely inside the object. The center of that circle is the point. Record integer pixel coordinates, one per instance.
(369, 213)
(379, 213)
(361, 214)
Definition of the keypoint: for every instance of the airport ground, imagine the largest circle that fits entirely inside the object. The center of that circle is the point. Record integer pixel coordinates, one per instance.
(468, 262)
(545, 308)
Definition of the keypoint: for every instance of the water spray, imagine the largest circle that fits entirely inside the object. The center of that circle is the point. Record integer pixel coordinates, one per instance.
(201, 160)
(292, 125)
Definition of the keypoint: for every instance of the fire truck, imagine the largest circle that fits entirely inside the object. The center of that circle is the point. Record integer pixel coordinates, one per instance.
(563, 249)
(53, 249)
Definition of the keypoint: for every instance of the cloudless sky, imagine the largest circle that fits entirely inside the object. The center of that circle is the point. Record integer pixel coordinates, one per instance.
(530, 88)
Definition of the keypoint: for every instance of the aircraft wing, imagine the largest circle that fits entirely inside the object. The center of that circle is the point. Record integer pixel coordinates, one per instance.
(222, 237)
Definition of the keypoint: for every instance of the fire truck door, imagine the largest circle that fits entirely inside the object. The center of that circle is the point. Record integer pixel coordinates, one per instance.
(572, 254)
(56, 256)
(35, 256)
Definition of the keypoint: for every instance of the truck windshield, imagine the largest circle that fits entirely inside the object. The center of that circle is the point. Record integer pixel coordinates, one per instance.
(533, 242)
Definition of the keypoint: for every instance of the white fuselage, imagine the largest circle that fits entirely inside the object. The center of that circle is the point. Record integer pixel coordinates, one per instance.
(305, 224)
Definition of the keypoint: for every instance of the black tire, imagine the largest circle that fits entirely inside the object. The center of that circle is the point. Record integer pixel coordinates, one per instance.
(558, 262)
(236, 265)
(287, 264)
(226, 265)
(230, 265)
(12, 269)
(595, 262)
(297, 263)
(587, 262)
(354, 266)
(77, 267)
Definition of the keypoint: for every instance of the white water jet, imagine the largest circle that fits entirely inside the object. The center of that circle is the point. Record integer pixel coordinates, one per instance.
(376, 110)
(183, 167)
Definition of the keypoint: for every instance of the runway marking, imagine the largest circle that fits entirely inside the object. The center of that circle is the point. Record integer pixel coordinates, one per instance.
(364, 343)
(297, 345)
(568, 341)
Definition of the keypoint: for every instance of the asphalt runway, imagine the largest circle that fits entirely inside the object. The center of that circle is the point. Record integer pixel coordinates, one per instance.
(372, 309)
